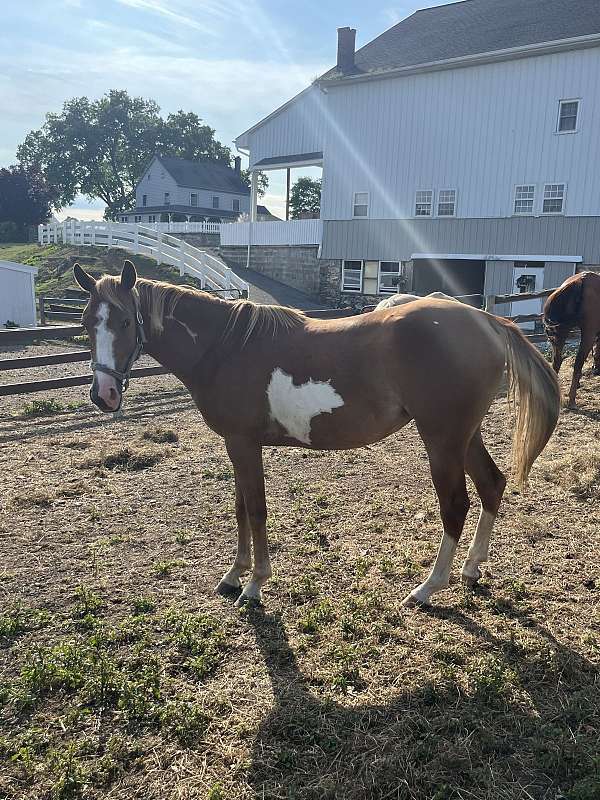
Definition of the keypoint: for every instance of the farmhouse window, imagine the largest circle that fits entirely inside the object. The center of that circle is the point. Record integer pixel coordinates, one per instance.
(137, 218)
(235, 204)
(389, 276)
(567, 116)
(554, 198)
(144, 199)
(524, 199)
(152, 218)
(215, 202)
(360, 204)
(167, 198)
(424, 203)
(446, 203)
(194, 199)
(352, 276)
(123, 219)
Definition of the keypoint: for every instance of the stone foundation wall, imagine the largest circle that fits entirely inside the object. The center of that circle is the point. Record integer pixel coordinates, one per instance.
(200, 239)
(296, 266)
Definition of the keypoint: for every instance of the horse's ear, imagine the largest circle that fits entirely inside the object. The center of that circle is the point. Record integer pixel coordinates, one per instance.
(84, 279)
(128, 275)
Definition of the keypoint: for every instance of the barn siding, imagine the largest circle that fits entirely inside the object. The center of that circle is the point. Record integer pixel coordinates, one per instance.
(17, 294)
(527, 236)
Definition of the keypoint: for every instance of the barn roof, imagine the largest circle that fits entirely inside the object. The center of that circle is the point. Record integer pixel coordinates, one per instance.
(475, 27)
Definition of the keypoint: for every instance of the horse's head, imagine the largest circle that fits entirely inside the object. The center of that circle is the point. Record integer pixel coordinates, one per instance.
(114, 324)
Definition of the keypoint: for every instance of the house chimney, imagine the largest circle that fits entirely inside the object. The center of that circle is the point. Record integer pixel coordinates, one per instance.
(345, 50)
(238, 165)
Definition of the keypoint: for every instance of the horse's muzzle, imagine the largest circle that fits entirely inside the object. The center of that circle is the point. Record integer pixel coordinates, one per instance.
(101, 403)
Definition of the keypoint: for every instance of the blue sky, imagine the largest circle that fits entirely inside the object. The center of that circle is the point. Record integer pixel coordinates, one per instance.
(230, 61)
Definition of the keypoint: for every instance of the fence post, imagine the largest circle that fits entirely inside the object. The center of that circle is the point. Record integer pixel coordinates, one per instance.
(93, 234)
(181, 258)
(110, 234)
(158, 246)
(227, 277)
(490, 302)
(136, 239)
(42, 310)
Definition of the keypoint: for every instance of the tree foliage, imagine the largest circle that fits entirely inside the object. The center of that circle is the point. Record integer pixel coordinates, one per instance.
(25, 198)
(263, 181)
(100, 148)
(305, 197)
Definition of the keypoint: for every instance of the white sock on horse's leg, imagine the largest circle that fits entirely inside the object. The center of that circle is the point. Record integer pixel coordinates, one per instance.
(439, 577)
(479, 548)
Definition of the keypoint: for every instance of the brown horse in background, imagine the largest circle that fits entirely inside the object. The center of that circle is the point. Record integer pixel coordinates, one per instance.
(575, 304)
(270, 376)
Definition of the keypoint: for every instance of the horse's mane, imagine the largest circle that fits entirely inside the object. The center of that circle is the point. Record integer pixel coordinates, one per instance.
(251, 319)
(159, 301)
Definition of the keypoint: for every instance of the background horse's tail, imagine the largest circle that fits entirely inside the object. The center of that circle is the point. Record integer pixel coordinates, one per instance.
(533, 388)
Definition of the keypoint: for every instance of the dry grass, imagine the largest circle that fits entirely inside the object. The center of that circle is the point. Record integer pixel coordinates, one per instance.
(123, 676)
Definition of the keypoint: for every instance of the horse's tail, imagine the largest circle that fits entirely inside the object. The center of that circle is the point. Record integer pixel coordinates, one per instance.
(533, 388)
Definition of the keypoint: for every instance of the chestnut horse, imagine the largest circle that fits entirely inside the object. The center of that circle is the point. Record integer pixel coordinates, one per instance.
(575, 304)
(270, 376)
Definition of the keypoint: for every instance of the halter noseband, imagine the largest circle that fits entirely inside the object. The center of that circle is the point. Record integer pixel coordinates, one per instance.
(140, 340)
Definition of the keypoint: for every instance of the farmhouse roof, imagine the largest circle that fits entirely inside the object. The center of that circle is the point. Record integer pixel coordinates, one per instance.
(204, 175)
(475, 27)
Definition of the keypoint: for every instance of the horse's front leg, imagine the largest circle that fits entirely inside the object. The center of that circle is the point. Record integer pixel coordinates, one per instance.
(230, 584)
(558, 345)
(246, 457)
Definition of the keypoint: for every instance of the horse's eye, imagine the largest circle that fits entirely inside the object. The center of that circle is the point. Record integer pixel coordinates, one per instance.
(126, 323)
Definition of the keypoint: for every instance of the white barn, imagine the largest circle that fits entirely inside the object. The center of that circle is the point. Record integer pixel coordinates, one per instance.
(17, 294)
(459, 149)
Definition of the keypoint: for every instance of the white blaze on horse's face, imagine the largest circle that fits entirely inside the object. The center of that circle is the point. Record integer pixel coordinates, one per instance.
(294, 407)
(107, 387)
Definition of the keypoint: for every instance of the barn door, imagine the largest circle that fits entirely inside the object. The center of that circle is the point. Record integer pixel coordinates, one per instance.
(527, 278)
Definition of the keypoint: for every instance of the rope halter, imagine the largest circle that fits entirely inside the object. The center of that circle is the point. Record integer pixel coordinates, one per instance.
(140, 340)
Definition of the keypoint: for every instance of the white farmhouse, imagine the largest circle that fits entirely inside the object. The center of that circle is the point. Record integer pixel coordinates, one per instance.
(196, 191)
(460, 150)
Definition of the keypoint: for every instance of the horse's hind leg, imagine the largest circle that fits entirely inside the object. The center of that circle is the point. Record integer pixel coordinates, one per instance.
(448, 473)
(597, 356)
(490, 484)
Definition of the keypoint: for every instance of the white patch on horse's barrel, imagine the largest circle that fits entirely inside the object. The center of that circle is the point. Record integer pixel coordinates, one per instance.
(294, 407)
(104, 338)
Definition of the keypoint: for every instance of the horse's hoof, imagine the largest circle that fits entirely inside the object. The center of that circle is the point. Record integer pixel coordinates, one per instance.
(228, 590)
(410, 601)
(247, 602)
(469, 581)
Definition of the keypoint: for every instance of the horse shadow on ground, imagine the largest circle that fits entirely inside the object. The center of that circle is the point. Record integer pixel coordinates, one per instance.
(434, 742)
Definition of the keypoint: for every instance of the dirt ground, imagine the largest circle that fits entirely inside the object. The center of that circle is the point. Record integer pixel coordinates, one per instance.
(122, 675)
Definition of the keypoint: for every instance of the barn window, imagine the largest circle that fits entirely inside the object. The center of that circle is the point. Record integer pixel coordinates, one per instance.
(567, 116)
(424, 203)
(360, 204)
(389, 276)
(554, 198)
(352, 276)
(524, 199)
(194, 199)
(215, 202)
(167, 198)
(446, 203)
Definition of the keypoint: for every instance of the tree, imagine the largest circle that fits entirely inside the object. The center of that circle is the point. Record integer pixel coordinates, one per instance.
(263, 181)
(25, 198)
(305, 197)
(100, 148)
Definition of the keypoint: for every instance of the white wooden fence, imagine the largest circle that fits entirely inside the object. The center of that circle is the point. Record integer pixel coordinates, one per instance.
(294, 232)
(166, 249)
(182, 227)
